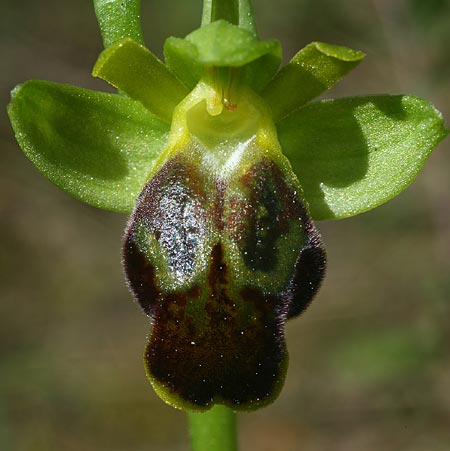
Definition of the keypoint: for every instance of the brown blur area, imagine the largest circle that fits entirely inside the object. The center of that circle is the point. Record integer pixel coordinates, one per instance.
(370, 363)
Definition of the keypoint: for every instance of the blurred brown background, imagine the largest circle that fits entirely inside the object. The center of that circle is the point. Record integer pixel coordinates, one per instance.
(370, 363)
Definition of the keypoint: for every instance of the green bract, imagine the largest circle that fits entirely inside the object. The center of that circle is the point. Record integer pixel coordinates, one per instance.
(221, 160)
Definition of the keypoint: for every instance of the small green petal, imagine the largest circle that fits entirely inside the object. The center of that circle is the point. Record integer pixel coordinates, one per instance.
(313, 70)
(133, 69)
(354, 154)
(119, 19)
(97, 147)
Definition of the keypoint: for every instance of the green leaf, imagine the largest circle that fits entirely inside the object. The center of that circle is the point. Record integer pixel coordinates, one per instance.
(133, 69)
(221, 44)
(97, 147)
(354, 154)
(119, 19)
(313, 70)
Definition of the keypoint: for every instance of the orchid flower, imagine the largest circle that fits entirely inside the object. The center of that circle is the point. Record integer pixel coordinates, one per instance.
(223, 160)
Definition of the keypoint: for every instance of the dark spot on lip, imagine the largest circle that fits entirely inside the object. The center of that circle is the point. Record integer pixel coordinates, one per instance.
(218, 274)
(308, 276)
(271, 204)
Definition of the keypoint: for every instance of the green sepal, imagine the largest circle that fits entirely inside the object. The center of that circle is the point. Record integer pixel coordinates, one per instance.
(97, 147)
(137, 72)
(313, 70)
(119, 19)
(354, 154)
(221, 44)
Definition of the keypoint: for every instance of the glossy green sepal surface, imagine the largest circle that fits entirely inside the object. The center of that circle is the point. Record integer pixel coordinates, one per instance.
(99, 148)
(356, 153)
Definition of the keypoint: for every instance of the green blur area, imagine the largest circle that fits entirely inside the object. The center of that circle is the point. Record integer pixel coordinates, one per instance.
(370, 362)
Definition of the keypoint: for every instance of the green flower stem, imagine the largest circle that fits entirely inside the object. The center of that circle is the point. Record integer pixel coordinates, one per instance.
(247, 17)
(237, 12)
(119, 19)
(220, 9)
(214, 430)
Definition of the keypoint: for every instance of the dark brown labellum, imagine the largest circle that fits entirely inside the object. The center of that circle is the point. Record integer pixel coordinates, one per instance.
(219, 263)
